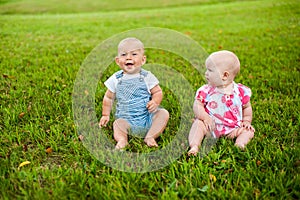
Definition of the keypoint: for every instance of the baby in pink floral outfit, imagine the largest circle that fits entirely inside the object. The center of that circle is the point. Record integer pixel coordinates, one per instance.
(222, 107)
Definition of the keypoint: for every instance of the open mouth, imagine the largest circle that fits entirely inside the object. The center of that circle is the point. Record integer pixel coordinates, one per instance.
(129, 64)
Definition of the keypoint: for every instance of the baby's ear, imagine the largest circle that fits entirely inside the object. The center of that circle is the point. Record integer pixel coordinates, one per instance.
(117, 60)
(225, 75)
(144, 59)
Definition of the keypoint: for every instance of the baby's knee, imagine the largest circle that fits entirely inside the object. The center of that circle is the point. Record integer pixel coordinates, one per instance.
(243, 139)
(120, 124)
(199, 123)
(164, 113)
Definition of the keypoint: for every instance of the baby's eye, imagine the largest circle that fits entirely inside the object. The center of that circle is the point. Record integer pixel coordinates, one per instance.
(134, 54)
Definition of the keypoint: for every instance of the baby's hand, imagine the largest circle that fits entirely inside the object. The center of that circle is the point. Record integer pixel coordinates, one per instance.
(209, 124)
(152, 106)
(247, 125)
(103, 121)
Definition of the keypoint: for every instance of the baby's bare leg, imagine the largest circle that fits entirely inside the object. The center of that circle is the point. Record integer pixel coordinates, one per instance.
(121, 127)
(196, 135)
(159, 123)
(244, 138)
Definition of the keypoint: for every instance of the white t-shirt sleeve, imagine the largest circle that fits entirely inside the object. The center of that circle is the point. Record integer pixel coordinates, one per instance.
(151, 81)
(111, 83)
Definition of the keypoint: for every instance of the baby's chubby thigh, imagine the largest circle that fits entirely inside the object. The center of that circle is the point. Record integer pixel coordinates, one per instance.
(242, 135)
(197, 132)
(234, 133)
(160, 114)
(121, 125)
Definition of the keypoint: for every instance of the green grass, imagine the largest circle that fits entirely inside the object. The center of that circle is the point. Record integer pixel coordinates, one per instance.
(42, 51)
(69, 6)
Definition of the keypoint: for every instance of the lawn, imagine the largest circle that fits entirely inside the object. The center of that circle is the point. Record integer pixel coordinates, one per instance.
(45, 44)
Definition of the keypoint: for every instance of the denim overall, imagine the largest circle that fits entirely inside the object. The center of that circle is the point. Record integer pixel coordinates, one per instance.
(132, 97)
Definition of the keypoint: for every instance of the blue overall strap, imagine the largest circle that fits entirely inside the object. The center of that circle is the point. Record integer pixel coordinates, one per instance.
(143, 73)
(119, 74)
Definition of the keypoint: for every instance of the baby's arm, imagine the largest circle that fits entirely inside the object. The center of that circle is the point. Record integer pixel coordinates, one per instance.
(106, 107)
(247, 116)
(157, 95)
(201, 114)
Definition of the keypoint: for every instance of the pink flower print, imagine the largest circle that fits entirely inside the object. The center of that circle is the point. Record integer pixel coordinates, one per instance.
(242, 93)
(229, 115)
(220, 131)
(235, 110)
(229, 103)
(227, 99)
(245, 100)
(230, 119)
(201, 96)
(218, 118)
(223, 98)
(213, 105)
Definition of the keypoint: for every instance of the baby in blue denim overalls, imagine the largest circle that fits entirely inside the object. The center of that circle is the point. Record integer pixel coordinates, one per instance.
(138, 97)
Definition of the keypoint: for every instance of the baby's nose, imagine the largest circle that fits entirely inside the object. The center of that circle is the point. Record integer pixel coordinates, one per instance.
(128, 56)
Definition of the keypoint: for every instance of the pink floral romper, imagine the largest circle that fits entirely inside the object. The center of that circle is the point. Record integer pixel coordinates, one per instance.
(226, 110)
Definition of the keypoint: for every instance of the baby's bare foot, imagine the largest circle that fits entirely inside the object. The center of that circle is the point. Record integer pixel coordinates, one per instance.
(241, 146)
(150, 142)
(193, 151)
(121, 144)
